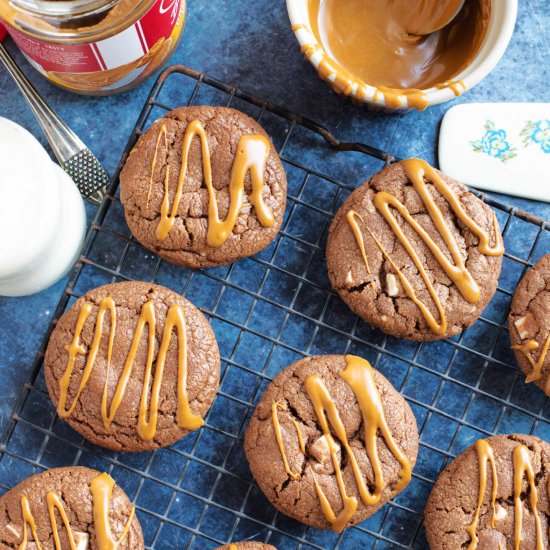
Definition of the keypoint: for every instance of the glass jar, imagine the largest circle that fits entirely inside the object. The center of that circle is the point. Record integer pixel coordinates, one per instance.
(95, 47)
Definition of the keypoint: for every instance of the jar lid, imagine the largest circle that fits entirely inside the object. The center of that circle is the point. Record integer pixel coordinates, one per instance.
(29, 200)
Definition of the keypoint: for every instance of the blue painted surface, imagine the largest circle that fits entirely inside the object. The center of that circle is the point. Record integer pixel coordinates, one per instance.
(250, 44)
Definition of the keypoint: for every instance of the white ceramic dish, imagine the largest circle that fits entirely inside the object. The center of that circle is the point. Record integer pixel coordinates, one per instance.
(500, 147)
(499, 32)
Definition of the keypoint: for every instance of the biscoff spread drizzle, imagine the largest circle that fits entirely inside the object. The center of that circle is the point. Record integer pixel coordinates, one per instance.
(275, 406)
(251, 156)
(101, 487)
(485, 456)
(352, 216)
(418, 171)
(148, 407)
(526, 348)
(522, 468)
(360, 378)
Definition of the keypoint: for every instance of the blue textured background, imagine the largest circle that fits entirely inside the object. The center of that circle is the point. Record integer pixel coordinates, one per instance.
(251, 44)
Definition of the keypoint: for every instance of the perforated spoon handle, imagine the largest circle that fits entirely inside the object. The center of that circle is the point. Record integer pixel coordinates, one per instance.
(73, 155)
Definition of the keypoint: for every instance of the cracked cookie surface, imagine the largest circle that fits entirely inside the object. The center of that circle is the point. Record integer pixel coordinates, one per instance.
(453, 502)
(529, 323)
(379, 297)
(72, 485)
(202, 366)
(142, 190)
(296, 495)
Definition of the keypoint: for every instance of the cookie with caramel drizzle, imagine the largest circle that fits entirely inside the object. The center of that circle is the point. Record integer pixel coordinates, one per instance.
(529, 324)
(72, 508)
(132, 366)
(331, 441)
(415, 253)
(493, 495)
(204, 187)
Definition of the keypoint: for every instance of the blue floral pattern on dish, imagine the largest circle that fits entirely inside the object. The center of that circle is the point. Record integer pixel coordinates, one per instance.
(494, 143)
(538, 133)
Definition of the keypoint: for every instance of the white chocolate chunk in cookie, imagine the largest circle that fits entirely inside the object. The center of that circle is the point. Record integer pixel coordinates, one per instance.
(320, 451)
(526, 326)
(82, 540)
(500, 512)
(391, 283)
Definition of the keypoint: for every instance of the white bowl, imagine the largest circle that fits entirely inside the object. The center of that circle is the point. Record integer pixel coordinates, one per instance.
(499, 32)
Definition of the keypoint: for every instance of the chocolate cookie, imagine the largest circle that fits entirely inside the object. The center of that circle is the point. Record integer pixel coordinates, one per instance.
(494, 495)
(529, 323)
(331, 441)
(132, 366)
(414, 253)
(248, 545)
(203, 187)
(71, 507)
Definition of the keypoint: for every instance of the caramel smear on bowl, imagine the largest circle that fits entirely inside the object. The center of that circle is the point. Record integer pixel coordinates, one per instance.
(366, 42)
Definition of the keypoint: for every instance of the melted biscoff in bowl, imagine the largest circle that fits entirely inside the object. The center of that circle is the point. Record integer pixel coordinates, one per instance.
(367, 49)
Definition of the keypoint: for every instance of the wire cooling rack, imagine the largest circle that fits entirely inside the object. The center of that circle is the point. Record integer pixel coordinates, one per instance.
(268, 311)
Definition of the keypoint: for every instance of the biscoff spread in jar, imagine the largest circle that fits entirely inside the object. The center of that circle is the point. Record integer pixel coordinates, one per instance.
(95, 47)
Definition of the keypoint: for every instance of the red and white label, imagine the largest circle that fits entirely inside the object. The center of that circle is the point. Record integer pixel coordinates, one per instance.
(116, 51)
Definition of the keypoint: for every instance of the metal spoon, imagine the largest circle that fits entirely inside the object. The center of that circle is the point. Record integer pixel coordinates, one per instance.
(73, 155)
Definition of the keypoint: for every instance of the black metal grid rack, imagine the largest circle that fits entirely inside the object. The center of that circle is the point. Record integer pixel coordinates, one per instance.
(268, 311)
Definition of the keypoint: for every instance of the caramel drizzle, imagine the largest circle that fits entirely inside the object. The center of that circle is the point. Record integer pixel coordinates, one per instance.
(352, 216)
(526, 348)
(251, 156)
(485, 455)
(456, 270)
(148, 407)
(359, 376)
(522, 468)
(101, 487)
(458, 87)
(275, 406)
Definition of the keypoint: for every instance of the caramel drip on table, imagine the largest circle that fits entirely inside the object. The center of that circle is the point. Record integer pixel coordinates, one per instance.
(251, 156)
(522, 468)
(485, 455)
(417, 170)
(359, 376)
(148, 407)
(278, 434)
(526, 348)
(101, 487)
